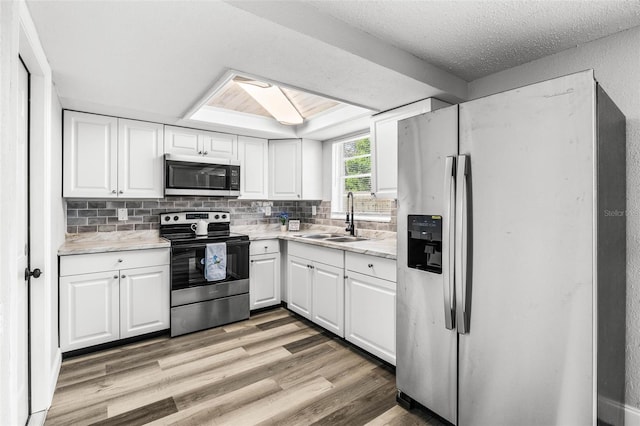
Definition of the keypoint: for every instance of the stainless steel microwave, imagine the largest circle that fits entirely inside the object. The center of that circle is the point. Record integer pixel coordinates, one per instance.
(185, 175)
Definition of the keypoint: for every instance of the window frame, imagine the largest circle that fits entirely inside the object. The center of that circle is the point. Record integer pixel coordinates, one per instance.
(337, 178)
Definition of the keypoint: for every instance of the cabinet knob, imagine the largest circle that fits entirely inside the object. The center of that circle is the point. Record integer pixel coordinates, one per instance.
(205, 153)
(346, 276)
(370, 265)
(298, 195)
(120, 260)
(123, 276)
(121, 192)
(115, 277)
(113, 192)
(200, 152)
(251, 260)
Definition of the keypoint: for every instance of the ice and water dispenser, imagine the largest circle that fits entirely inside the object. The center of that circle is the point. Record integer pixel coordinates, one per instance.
(425, 242)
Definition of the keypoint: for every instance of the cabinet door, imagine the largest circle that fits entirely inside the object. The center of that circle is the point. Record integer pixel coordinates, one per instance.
(89, 310)
(140, 163)
(370, 315)
(285, 166)
(264, 280)
(219, 145)
(384, 145)
(182, 141)
(328, 297)
(253, 154)
(299, 286)
(144, 300)
(90, 155)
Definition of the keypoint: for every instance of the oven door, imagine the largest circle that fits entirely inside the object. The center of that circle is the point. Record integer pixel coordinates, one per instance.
(187, 264)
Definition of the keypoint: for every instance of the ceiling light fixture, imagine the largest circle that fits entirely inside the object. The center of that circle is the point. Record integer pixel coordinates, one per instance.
(273, 100)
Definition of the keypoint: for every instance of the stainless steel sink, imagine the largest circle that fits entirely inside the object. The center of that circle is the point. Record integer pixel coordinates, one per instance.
(344, 239)
(319, 236)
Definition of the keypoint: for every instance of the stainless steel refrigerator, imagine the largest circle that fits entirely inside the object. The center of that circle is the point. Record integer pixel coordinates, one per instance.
(511, 257)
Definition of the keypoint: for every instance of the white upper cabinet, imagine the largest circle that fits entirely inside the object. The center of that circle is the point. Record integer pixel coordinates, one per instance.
(184, 141)
(219, 145)
(140, 162)
(108, 157)
(253, 154)
(384, 145)
(295, 169)
(90, 166)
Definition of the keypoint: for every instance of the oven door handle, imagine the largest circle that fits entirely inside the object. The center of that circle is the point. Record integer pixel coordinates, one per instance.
(200, 245)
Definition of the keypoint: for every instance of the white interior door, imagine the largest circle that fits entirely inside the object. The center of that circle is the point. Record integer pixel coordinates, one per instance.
(22, 244)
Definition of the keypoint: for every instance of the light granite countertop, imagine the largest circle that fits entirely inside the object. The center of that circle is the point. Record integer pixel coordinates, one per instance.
(378, 243)
(101, 242)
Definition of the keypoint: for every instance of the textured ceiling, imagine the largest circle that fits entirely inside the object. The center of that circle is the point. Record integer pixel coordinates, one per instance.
(157, 59)
(472, 39)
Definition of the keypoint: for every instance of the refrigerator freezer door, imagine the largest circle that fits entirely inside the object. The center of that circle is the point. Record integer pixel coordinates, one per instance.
(527, 357)
(426, 349)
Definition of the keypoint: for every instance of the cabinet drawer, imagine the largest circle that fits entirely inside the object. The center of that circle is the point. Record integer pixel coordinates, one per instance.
(374, 266)
(324, 255)
(264, 247)
(115, 260)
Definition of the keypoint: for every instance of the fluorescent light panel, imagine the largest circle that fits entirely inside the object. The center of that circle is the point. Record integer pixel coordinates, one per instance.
(273, 100)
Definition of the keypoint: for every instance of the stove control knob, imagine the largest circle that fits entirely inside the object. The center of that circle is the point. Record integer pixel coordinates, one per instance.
(217, 216)
(224, 216)
(175, 218)
(167, 218)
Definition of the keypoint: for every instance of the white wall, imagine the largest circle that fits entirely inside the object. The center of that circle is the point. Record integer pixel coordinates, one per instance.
(8, 265)
(18, 37)
(616, 62)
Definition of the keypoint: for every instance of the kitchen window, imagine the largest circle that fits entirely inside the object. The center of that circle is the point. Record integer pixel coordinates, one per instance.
(351, 172)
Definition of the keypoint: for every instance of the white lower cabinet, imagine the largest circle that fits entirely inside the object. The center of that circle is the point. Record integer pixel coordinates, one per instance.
(264, 274)
(328, 297)
(100, 302)
(370, 305)
(89, 312)
(300, 286)
(144, 300)
(316, 285)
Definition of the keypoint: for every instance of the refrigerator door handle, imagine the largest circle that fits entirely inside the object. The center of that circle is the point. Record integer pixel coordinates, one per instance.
(460, 261)
(448, 235)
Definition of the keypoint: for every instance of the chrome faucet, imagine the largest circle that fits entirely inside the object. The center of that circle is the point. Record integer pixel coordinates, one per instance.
(351, 227)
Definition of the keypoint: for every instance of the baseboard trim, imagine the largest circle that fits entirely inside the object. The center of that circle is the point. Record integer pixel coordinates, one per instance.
(611, 411)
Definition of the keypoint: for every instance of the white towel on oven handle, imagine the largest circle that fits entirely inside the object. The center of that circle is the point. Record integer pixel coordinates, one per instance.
(215, 262)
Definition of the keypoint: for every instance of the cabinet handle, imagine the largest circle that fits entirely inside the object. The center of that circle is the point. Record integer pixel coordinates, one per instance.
(115, 277)
(119, 260)
(370, 265)
(123, 276)
(346, 277)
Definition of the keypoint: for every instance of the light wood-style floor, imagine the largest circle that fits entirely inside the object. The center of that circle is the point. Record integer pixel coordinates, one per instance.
(271, 369)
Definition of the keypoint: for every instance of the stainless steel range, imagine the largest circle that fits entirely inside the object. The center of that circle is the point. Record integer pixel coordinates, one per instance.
(209, 271)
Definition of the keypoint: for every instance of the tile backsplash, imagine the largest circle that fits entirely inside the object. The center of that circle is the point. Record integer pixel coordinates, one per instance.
(102, 215)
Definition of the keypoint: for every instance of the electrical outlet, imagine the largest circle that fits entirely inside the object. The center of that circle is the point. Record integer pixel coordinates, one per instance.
(267, 211)
(313, 211)
(122, 214)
